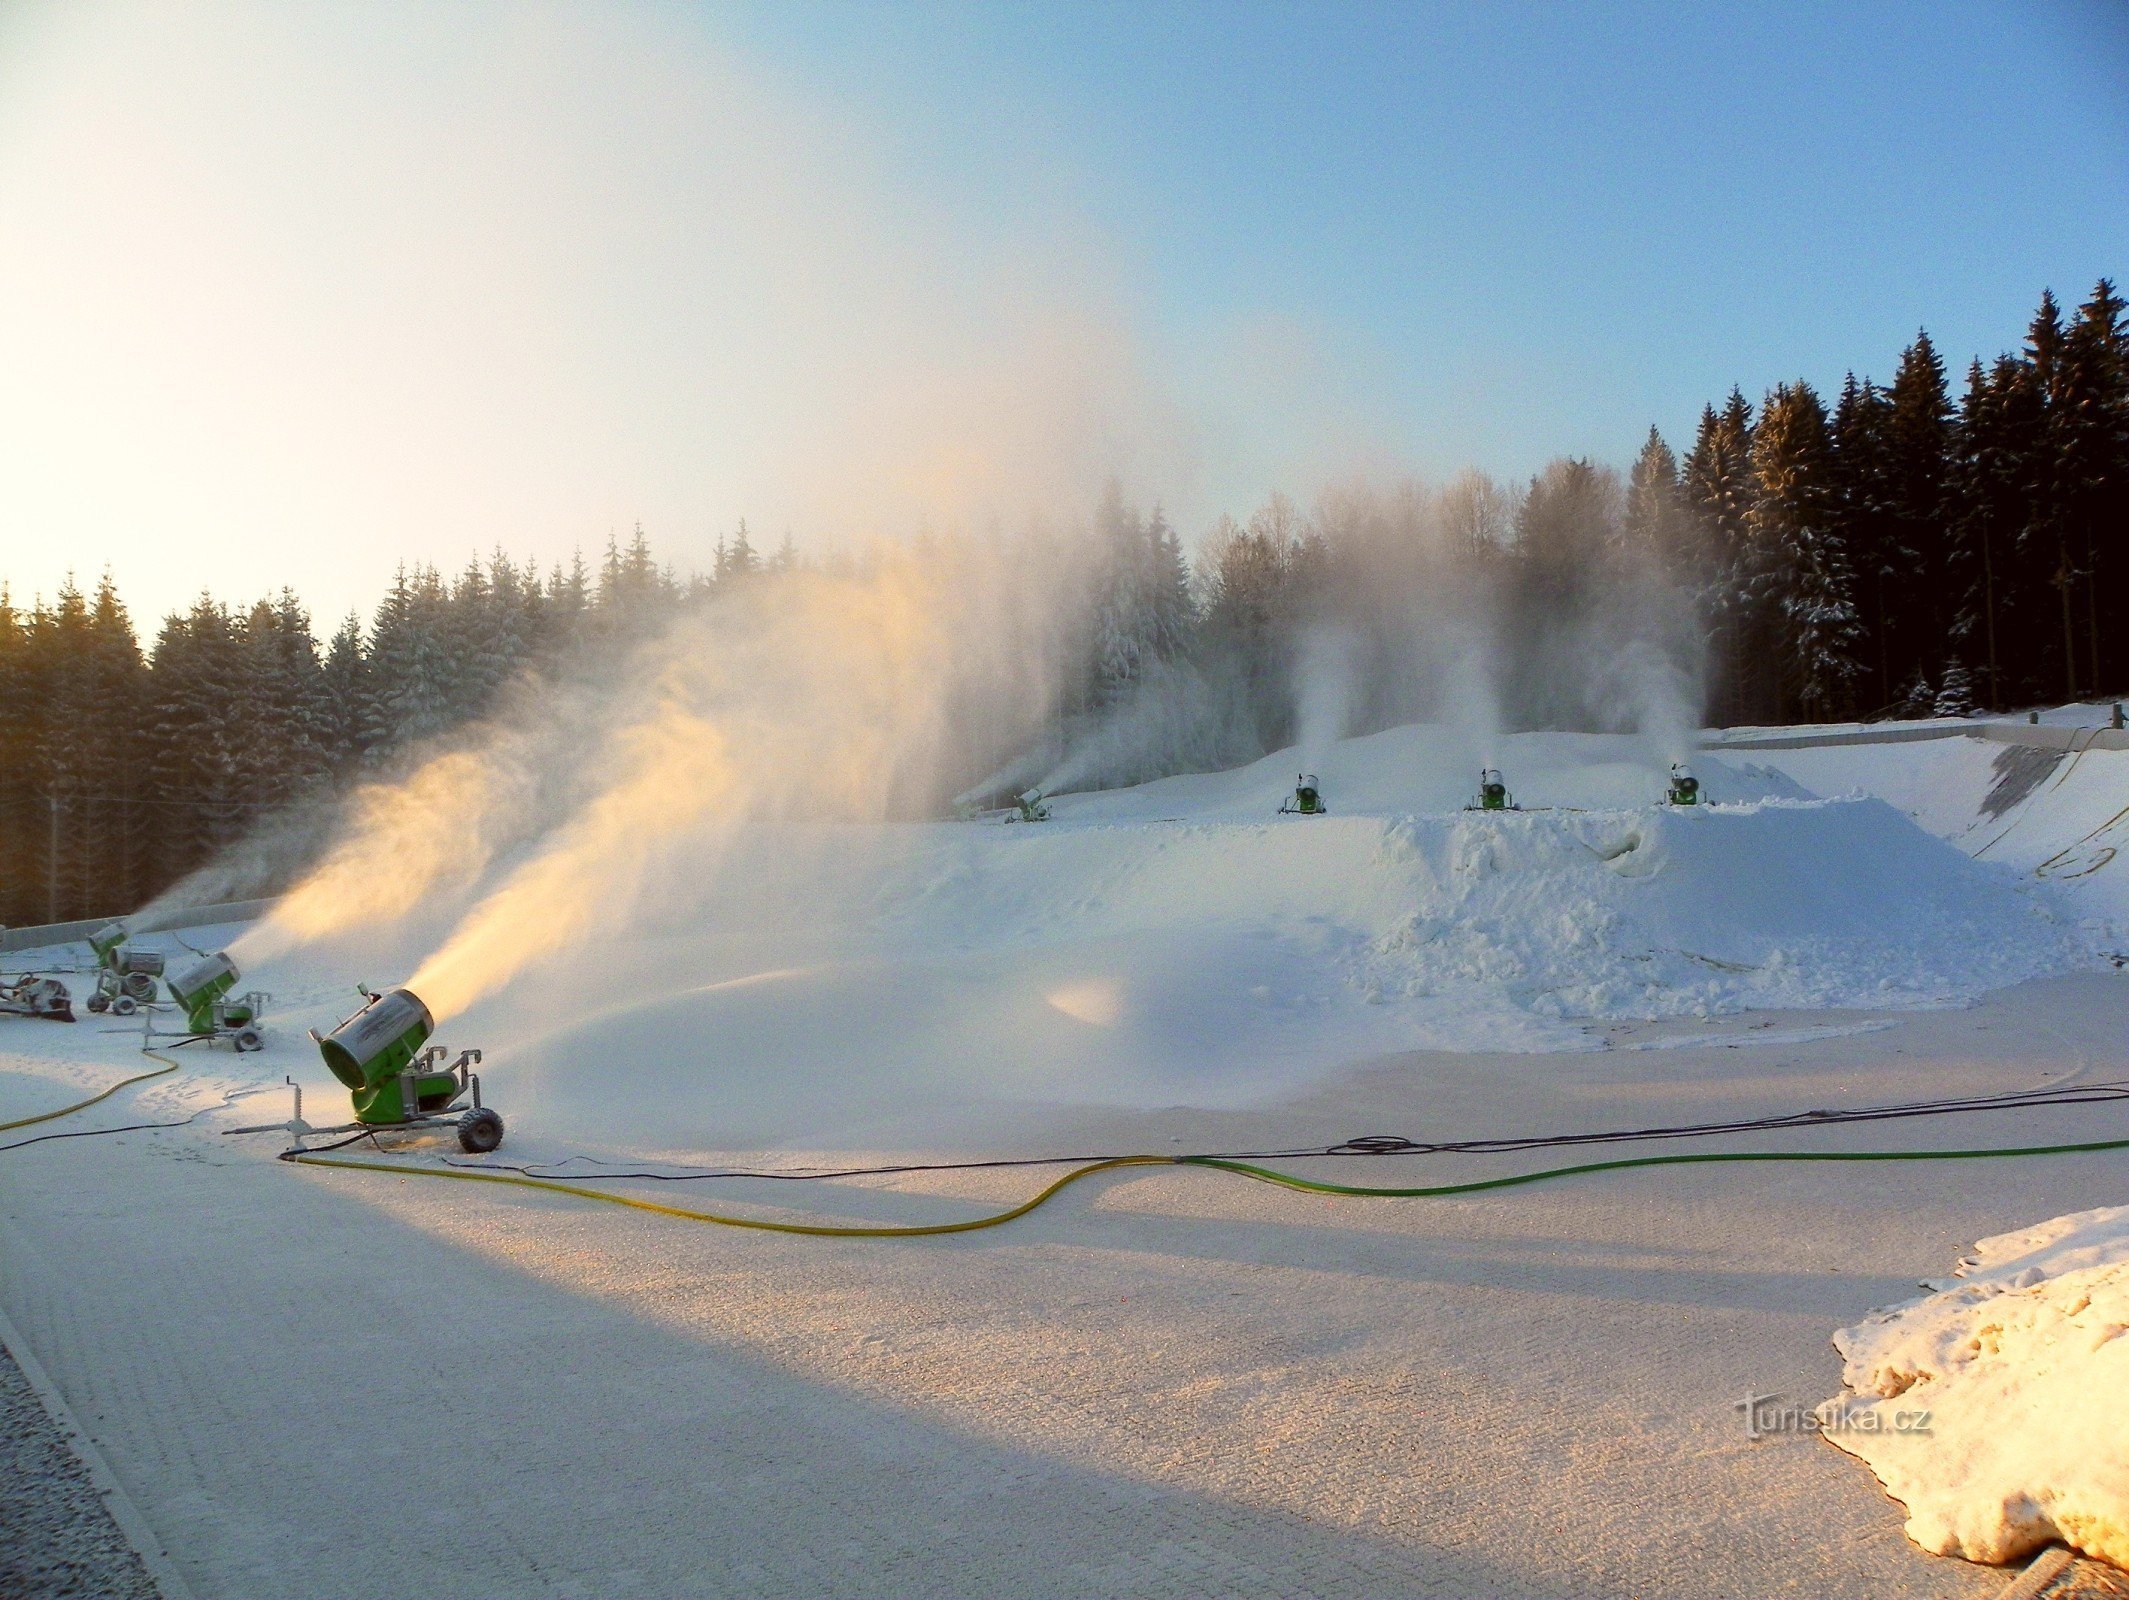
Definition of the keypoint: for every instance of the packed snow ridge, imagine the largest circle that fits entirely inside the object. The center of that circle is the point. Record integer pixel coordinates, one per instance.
(2020, 1363)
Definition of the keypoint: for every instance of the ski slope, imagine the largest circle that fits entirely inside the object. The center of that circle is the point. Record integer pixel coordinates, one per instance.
(1182, 943)
(1502, 1393)
(2057, 816)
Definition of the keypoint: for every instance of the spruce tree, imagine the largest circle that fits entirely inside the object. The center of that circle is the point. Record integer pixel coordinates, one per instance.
(1917, 503)
(1654, 522)
(1808, 583)
(2090, 428)
(1717, 484)
(1860, 477)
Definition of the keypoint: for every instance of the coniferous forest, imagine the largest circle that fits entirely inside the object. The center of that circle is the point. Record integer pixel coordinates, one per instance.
(1922, 546)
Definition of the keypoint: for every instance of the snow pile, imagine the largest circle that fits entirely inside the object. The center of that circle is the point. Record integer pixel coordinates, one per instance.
(1183, 944)
(2021, 1361)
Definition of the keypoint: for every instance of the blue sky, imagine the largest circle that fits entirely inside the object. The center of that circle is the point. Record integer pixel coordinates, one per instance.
(288, 295)
(1584, 218)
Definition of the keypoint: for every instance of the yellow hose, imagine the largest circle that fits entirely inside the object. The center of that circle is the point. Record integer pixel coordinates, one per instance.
(814, 1229)
(83, 1105)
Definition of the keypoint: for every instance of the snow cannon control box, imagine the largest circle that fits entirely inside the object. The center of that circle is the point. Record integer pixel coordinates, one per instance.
(396, 1077)
(1307, 800)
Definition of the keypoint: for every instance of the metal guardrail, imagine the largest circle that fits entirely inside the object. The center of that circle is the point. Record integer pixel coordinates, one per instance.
(2043, 736)
(37, 935)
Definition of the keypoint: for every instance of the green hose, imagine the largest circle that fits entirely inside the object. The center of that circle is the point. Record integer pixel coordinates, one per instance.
(1243, 1168)
(1431, 1191)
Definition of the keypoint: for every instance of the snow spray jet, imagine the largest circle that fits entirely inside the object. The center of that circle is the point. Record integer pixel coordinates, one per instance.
(1661, 698)
(816, 698)
(1178, 717)
(1471, 697)
(425, 839)
(1325, 678)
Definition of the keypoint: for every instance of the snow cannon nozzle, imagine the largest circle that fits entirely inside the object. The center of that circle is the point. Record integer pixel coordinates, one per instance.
(1685, 788)
(1492, 794)
(1307, 799)
(1032, 805)
(397, 1079)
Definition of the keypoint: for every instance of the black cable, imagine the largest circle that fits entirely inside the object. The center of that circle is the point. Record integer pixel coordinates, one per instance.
(97, 1133)
(223, 1104)
(1390, 1144)
(338, 1144)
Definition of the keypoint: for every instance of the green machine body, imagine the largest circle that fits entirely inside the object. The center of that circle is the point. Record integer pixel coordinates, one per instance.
(1307, 799)
(373, 1051)
(199, 986)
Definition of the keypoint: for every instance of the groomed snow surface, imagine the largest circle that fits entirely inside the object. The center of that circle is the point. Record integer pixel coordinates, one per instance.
(1193, 1384)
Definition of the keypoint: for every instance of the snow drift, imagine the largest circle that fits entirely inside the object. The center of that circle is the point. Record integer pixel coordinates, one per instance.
(2021, 1360)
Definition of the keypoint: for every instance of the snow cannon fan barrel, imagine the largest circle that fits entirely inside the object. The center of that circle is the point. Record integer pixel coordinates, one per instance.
(1685, 788)
(373, 1051)
(1493, 794)
(200, 985)
(1031, 807)
(106, 940)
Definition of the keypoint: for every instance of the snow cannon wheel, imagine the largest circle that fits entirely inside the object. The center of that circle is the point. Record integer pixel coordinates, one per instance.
(248, 1039)
(480, 1131)
(139, 986)
(98, 1003)
(124, 1006)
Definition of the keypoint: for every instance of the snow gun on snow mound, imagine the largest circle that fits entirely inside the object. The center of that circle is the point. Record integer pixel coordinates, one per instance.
(397, 1079)
(1685, 788)
(1032, 807)
(125, 974)
(32, 996)
(202, 993)
(1307, 798)
(1492, 794)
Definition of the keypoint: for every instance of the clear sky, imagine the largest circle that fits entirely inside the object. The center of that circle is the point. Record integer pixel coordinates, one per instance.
(288, 294)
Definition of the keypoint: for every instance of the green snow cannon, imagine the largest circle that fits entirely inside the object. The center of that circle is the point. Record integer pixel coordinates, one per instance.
(1493, 794)
(1307, 800)
(1685, 788)
(199, 991)
(1031, 807)
(395, 1077)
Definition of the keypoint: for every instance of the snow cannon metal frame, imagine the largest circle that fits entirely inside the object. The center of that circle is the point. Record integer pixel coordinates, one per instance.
(202, 993)
(32, 996)
(1685, 788)
(1307, 800)
(125, 974)
(1492, 793)
(397, 1079)
(1033, 807)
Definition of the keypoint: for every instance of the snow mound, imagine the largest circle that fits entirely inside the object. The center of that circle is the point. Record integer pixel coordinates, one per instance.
(2021, 1361)
(1175, 960)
